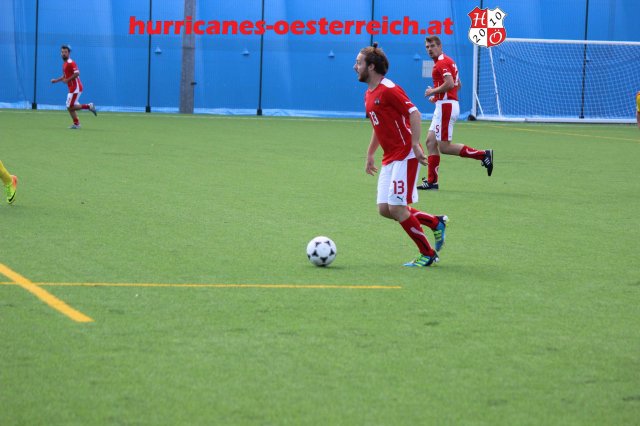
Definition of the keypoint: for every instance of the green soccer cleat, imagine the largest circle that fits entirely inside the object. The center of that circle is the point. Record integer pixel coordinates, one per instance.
(423, 261)
(438, 233)
(11, 188)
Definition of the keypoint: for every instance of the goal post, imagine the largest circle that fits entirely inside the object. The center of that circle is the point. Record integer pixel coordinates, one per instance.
(556, 80)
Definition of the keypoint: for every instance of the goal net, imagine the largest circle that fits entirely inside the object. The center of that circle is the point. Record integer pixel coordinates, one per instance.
(557, 80)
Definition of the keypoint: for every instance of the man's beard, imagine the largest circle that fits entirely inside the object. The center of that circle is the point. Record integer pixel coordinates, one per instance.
(364, 76)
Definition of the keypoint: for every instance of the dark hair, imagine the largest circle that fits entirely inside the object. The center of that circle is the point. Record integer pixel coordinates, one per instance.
(66, 46)
(433, 39)
(375, 55)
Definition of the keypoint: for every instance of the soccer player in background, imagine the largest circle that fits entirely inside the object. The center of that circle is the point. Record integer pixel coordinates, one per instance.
(10, 184)
(71, 76)
(445, 95)
(638, 109)
(396, 128)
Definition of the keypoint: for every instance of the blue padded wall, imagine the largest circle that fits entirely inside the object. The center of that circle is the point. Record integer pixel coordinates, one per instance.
(301, 74)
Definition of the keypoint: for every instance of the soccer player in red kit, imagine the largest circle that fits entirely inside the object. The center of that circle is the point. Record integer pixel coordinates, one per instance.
(445, 95)
(71, 76)
(396, 128)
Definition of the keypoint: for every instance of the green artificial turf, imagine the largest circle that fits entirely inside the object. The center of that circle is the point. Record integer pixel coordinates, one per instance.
(531, 317)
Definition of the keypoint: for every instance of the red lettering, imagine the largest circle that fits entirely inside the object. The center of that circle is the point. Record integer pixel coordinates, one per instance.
(297, 28)
(167, 27)
(197, 27)
(373, 27)
(347, 27)
(393, 29)
(335, 27)
(230, 25)
(323, 26)
(281, 27)
(246, 28)
(135, 24)
(385, 24)
(448, 23)
(213, 27)
(156, 29)
(311, 27)
(406, 23)
(434, 27)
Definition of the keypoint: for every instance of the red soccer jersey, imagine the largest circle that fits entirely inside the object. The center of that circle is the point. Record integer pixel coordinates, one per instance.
(442, 66)
(388, 108)
(68, 68)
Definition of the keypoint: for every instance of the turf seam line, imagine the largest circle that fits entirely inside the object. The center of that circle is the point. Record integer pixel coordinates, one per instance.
(187, 285)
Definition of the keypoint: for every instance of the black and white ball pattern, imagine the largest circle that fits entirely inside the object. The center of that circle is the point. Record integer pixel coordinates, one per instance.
(321, 251)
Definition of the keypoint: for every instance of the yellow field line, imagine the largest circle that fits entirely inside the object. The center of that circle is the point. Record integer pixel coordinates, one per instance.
(44, 295)
(562, 133)
(311, 286)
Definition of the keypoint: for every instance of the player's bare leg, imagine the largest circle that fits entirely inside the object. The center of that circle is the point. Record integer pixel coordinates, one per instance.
(399, 213)
(74, 117)
(90, 106)
(383, 209)
(483, 155)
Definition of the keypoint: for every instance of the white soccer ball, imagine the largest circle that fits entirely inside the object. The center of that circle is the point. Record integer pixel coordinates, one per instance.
(321, 251)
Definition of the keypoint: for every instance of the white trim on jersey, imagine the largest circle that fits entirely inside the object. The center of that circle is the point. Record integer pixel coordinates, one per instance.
(388, 83)
(400, 131)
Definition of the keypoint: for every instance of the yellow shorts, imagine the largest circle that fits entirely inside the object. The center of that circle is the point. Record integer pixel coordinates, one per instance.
(638, 101)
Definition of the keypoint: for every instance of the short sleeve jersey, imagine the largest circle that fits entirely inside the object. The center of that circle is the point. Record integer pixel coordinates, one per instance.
(388, 107)
(442, 67)
(68, 68)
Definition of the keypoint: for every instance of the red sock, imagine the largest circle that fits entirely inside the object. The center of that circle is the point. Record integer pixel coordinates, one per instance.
(413, 229)
(424, 218)
(76, 122)
(432, 168)
(471, 153)
(85, 106)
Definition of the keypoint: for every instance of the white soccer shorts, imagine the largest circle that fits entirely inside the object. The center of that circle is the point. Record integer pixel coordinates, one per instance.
(397, 182)
(444, 117)
(72, 98)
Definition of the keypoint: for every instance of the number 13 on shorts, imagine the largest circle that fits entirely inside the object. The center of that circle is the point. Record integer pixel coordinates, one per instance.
(398, 187)
(396, 182)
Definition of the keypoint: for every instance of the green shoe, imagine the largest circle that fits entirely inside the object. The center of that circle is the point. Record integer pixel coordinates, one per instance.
(439, 232)
(423, 261)
(10, 189)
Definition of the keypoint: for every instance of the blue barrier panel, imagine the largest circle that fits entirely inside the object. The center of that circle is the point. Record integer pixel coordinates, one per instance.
(17, 49)
(227, 65)
(313, 74)
(308, 74)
